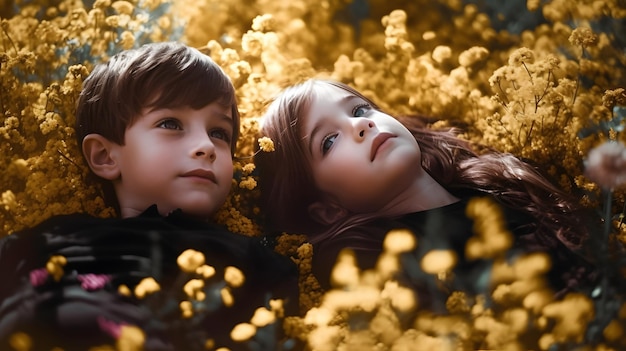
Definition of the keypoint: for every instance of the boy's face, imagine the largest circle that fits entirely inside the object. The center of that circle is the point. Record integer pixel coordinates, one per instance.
(176, 158)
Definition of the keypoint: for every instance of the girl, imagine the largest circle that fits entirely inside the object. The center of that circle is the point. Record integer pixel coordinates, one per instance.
(345, 173)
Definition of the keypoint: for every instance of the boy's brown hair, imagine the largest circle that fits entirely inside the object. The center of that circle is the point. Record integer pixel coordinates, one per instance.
(158, 75)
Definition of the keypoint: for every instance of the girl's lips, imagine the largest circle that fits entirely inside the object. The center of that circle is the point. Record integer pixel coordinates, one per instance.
(378, 141)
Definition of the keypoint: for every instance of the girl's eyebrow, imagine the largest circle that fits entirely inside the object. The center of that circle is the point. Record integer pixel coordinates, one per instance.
(344, 100)
(312, 136)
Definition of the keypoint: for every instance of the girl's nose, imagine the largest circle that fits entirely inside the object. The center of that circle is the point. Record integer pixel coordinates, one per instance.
(362, 126)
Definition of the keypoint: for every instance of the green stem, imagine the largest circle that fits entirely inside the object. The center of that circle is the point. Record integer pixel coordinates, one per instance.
(608, 199)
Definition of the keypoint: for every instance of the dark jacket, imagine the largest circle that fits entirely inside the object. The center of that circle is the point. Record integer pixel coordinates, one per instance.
(85, 308)
(449, 228)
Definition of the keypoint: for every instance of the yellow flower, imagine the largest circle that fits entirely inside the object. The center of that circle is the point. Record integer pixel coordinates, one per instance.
(8, 200)
(243, 332)
(266, 144)
(521, 56)
(263, 23)
(146, 286)
(248, 168)
(398, 241)
(190, 260)
(401, 298)
(123, 7)
(186, 308)
(345, 273)
(54, 266)
(438, 261)
(193, 289)
(571, 315)
(21, 341)
(441, 53)
(472, 56)
(127, 40)
(205, 271)
(583, 36)
(131, 338)
(233, 276)
(124, 290)
(248, 183)
(277, 306)
(102, 4)
(227, 297)
(262, 317)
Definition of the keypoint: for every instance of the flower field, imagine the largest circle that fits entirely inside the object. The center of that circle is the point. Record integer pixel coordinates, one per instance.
(543, 80)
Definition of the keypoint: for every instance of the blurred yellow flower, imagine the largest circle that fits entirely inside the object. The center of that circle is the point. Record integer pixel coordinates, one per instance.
(262, 317)
(234, 277)
(131, 338)
(190, 260)
(54, 266)
(243, 332)
(145, 287)
(20, 341)
(398, 241)
(438, 261)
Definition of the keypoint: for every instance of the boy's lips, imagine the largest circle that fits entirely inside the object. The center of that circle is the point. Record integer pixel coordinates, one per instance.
(378, 141)
(201, 173)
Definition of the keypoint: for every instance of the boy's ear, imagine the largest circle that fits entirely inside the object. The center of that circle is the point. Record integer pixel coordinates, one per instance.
(327, 213)
(98, 153)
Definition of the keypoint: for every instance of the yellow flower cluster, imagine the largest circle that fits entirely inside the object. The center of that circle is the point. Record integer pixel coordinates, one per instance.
(46, 53)
(54, 266)
(534, 94)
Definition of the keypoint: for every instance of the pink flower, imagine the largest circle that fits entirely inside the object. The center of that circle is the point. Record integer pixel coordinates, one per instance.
(606, 165)
(92, 282)
(111, 328)
(38, 276)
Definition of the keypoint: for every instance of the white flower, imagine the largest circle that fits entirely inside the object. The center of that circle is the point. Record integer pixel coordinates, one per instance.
(606, 164)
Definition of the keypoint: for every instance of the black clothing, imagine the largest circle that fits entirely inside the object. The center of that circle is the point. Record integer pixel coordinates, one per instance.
(449, 228)
(74, 315)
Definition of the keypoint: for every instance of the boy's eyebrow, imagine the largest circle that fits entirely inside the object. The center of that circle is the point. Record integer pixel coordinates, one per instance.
(230, 120)
(317, 127)
(226, 117)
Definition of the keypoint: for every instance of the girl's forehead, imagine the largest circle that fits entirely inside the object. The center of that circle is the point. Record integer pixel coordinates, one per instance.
(328, 93)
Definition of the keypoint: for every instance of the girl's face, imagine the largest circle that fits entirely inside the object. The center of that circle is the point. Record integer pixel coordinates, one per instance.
(362, 159)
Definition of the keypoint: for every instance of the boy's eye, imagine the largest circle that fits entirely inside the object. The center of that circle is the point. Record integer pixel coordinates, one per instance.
(360, 110)
(328, 142)
(220, 134)
(169, 124)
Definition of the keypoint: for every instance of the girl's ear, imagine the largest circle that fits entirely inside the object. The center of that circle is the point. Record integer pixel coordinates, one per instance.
(327, 213)
(98, 153)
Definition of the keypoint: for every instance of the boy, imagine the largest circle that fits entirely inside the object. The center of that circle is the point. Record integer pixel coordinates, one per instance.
(158, 126)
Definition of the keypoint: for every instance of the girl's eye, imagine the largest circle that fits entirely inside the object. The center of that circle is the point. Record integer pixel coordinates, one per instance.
(327, 143)
(170, 124)
(361, 110)
(220, 134)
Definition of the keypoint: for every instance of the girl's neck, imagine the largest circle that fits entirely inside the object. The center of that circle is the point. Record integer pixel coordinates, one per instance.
(423, 194)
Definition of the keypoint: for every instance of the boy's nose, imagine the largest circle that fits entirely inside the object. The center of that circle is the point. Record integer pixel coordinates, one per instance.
(362, 126)
(204, 147)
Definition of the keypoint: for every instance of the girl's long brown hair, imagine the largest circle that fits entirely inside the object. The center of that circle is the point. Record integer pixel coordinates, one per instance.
(287, 187)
